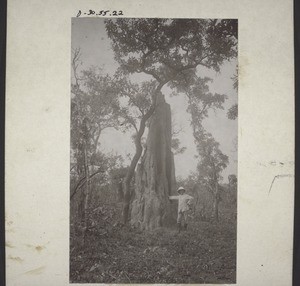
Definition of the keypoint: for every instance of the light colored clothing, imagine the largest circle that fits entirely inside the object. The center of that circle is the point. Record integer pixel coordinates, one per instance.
(183, 217)
(184, 202)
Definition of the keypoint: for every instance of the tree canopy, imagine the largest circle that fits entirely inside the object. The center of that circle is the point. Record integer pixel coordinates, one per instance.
(165, 48)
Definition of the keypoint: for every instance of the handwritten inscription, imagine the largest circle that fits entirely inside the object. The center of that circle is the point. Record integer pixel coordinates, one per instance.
(100, 13)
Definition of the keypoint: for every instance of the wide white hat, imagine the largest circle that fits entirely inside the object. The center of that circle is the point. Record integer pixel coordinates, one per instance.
(180, 189)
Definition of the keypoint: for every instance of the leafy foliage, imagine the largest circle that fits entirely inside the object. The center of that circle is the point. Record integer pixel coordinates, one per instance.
(135, 100)
(93, 106)
(233, 112)
(164, 47)
(200, 99)
(211, 161)
(177, 149)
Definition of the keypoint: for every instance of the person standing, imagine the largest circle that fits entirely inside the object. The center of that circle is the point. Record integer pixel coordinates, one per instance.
(184, 203)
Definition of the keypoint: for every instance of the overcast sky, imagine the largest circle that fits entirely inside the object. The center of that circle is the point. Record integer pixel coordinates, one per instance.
(89, 35)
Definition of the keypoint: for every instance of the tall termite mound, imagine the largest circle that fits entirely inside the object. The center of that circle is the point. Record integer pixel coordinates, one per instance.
(155, 174)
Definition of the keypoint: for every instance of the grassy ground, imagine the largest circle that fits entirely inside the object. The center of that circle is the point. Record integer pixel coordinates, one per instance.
(205, 253)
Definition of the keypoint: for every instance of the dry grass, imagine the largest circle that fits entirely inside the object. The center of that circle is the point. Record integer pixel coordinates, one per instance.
(205, 253)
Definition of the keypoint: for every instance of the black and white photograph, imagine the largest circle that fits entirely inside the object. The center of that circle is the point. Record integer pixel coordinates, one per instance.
(153, 150)
(149, 143)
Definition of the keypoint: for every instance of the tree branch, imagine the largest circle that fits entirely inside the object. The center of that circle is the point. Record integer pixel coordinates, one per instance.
(82, 182)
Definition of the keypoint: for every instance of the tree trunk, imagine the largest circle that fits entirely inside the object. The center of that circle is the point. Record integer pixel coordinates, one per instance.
(126, 202)
(87, 193)
(155, 175)
(120, 194)
(127, 181)
(216, 203)
(136, 157)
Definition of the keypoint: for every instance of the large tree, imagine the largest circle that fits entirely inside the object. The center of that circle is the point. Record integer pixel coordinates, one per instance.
(167, 50)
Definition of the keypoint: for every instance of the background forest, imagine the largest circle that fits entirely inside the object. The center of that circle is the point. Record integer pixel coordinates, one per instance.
(122, 223)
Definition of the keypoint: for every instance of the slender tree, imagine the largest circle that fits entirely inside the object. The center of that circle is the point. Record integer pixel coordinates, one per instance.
(93, 103)
(134, 115)
(212, 160)
(212, 163)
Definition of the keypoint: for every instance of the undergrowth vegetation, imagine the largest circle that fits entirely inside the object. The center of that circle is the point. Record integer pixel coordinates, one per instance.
(111, 253)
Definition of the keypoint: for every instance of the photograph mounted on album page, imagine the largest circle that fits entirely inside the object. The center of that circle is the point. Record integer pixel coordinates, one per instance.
(149, 143)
